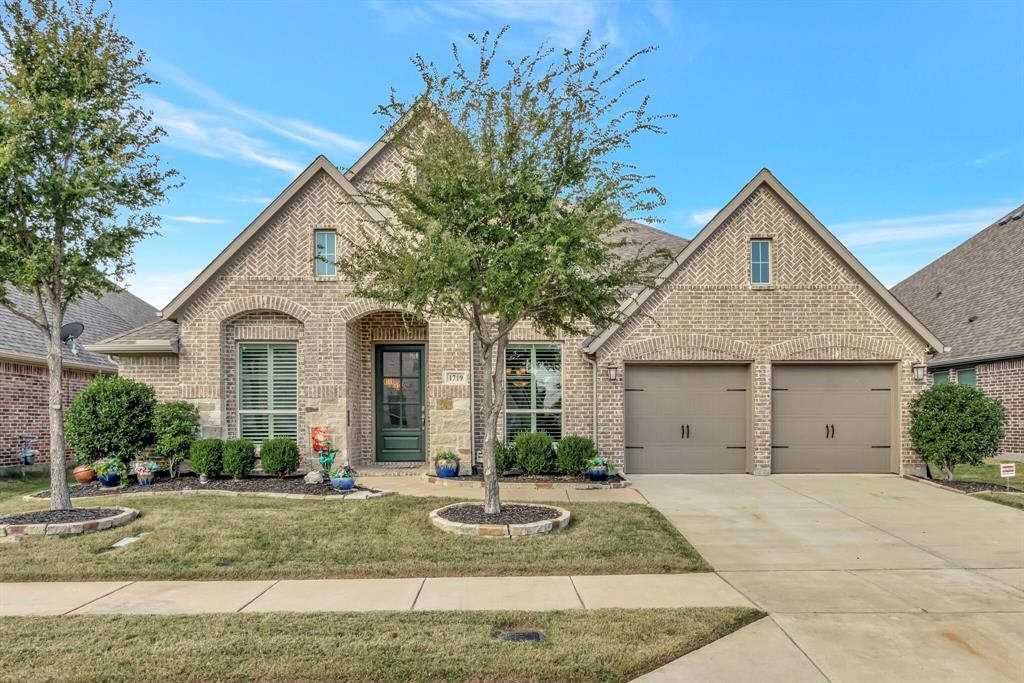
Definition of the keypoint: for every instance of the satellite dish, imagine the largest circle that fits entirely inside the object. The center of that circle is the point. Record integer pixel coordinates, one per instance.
(69, 333)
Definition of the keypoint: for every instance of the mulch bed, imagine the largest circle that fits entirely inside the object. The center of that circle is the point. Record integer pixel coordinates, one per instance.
(513, 478)
(975, 486)
(510, 514)
(60, 516)
(252, 484)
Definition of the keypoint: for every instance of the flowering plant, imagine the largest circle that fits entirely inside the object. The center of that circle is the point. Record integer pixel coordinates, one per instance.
(148, 467)
(343, 471)
(599, 461)
(108, 466)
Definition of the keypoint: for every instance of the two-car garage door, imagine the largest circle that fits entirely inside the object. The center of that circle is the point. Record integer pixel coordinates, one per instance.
(692, 419)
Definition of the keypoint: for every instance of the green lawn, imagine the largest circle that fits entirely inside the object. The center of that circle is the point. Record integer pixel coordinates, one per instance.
(1009, 499)
(604, 645)
(987, 472)
(248, 538)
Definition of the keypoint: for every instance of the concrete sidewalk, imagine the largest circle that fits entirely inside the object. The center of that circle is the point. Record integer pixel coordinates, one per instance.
(533, 593)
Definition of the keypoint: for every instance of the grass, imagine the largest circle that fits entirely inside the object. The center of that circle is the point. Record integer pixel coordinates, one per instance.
(987, 472)
(1008, 499)
(604, 645)
(249, 538)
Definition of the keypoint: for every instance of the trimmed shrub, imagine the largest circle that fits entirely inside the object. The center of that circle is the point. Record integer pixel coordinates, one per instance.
(955, 424)
(175, 426)
(111, 418)
(279, 457)
(239, 457)
(205, 456)
(574, 454)
(504, 456)
(535, 453)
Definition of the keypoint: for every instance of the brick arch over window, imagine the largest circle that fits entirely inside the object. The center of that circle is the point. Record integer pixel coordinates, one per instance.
(250, 304)
(687, 347)
(364, 307)
(837, 347)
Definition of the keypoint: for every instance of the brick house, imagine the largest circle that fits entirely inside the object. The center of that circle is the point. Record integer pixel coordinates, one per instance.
(24, 378)
(973, 297)
(766, 347)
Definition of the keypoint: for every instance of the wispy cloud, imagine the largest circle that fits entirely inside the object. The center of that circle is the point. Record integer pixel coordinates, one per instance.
(195, 219)
(250, 200)
(912, 228)
(662, 11)
(214, 136)
(698, 219)
(989, 158)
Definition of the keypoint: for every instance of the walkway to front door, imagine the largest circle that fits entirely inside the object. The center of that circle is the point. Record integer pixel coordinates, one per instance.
(398, 396)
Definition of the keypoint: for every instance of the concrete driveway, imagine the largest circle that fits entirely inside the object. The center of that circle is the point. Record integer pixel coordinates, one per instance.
(865, 578)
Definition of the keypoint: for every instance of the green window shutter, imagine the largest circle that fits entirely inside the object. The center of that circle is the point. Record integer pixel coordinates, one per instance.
(533, 389)
(268, 391)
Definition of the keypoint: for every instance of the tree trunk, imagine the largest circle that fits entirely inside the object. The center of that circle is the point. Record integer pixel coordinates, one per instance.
(948, 469)
(491, 408)
(60, 494)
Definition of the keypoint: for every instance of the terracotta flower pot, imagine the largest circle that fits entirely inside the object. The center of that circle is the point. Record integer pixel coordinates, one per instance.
(84, 473)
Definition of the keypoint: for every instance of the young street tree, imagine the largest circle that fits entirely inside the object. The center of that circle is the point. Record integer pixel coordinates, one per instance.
(76, 171)
(511, 205)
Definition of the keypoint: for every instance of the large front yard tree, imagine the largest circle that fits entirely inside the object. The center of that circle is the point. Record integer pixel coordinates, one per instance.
(509, 208)
(76, 172)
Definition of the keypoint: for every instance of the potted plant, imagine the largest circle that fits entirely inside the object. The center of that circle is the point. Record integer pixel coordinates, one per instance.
(84, 473)
(343, 478)
(144, 472)
(446, 464)
(109, 471)
(598, 468)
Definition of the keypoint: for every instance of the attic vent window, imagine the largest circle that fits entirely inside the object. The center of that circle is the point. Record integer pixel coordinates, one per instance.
(971, 318)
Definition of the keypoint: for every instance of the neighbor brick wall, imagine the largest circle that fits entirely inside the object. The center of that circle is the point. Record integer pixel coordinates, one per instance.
(816, 309)
(1005, 380)
(24, 391)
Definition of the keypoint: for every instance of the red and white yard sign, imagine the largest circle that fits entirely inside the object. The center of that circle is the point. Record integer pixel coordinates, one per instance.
(1008, 469)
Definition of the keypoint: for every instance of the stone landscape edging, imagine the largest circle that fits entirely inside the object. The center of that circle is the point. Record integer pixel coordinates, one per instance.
(12, 533)
(544, 526)
(354, 495)
(466, 482)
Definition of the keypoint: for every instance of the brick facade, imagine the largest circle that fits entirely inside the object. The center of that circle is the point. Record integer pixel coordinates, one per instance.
(1003, 380)
(817, 309)
(25, 390)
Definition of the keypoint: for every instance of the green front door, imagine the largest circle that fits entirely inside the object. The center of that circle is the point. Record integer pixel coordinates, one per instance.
(398, 381)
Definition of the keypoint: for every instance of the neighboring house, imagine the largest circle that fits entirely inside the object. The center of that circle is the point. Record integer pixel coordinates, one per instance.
(765, 348)
(973, 298)
(24, 378)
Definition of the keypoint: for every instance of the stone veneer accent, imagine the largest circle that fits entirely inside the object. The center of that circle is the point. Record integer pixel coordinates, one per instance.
(12, 533)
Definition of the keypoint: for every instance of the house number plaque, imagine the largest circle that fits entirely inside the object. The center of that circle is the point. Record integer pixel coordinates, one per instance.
(454, 377)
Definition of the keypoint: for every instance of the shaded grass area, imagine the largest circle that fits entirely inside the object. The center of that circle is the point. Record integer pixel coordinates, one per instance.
(603, 645)
(1008, 499)
(248, 538)
(987, 472)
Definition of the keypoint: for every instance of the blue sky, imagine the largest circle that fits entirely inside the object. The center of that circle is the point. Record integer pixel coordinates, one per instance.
(898, 124)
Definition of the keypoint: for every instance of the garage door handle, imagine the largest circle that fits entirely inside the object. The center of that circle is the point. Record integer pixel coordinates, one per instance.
(684, 431)
(826, 431)
(833, 431)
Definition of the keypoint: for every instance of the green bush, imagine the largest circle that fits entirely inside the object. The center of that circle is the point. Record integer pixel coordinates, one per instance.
(279, 456)
(954, 424)
(574, 454)
(504, 456)
(205, 455)
(239, 457)
(175, 426)
(111, 418)
(535, 453)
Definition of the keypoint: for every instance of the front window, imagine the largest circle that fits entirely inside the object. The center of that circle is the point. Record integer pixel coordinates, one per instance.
(268, 391)
(760, 262)
(533, 389)
(940, 377)
(325, 252)
(967, 376)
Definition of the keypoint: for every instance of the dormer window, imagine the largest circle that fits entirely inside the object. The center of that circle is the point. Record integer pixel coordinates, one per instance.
(326, 253)
(760, 262)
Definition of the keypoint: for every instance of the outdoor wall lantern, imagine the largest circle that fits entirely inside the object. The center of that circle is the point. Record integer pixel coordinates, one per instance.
(919, 372)
(613, 372)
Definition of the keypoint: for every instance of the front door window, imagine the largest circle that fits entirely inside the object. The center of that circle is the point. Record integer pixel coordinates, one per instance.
(399, 389)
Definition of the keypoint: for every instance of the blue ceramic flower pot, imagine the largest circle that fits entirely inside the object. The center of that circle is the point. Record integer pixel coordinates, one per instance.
(144, 479)
(446, 469)
(112, 479)
(343, 483)
(598, 473)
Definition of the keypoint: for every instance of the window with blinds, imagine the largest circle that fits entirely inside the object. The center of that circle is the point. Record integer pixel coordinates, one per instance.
(533, 389)
(268, 391)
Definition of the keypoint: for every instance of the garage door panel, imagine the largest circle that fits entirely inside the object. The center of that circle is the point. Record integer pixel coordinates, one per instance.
(686, 419)
(831, 418)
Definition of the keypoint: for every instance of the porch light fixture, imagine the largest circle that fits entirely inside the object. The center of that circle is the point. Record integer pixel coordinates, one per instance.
(919, 372)
(613, 372)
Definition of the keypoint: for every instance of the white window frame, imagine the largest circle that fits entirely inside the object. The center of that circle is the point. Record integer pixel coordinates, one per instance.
(329, 264)
(767, 263)
(533, 412)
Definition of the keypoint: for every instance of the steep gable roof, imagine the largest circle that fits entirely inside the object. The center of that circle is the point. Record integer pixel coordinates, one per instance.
(321, 163)
(980, 279)
(764, 177)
